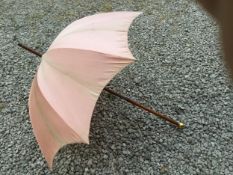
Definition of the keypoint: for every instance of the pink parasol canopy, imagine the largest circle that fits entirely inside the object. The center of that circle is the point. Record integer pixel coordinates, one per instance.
(83, 58)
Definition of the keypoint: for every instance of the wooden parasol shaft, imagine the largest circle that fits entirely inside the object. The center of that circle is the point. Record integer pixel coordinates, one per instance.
(133, 102)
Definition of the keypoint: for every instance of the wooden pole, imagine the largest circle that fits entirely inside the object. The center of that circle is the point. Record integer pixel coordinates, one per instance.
(133, 102)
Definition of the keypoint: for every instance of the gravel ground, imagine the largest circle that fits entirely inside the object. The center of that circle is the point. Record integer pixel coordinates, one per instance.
(179, 71)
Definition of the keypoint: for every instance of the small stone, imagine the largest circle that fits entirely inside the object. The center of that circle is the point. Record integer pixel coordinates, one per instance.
(2, 106)
(89, 162)
(126, 152)
(163, 169)
(105, 156)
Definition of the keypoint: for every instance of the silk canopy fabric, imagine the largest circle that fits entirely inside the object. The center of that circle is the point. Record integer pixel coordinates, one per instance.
(83, 58)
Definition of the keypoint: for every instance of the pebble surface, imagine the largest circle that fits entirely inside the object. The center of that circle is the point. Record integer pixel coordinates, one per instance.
(179, 71)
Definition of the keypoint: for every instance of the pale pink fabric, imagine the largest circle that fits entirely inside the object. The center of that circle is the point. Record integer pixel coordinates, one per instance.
(84, 57)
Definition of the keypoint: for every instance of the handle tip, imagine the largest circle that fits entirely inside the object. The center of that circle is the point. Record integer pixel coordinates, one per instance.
(181, 125)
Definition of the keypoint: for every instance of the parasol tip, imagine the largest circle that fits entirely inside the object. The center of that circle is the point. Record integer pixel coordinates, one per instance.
(181, 125)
